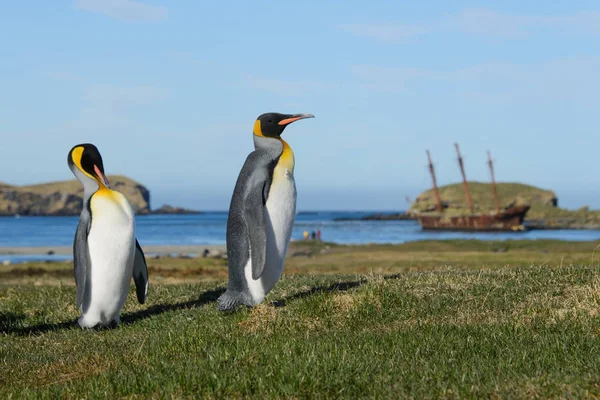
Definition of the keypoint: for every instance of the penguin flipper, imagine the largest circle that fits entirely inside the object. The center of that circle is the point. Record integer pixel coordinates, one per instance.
(257, 234)
(140, 273)
(81, 256)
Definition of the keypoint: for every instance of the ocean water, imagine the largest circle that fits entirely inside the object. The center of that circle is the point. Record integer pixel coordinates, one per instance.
(209, 228)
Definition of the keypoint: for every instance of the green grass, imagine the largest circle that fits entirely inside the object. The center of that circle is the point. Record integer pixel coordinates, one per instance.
(517, 331)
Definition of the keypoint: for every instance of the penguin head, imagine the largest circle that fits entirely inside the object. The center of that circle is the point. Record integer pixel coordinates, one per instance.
(272, 124)
(86, 163)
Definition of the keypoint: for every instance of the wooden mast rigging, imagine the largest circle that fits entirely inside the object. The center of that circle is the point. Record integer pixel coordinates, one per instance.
(438, 200)
(464, 177)
(494, 189)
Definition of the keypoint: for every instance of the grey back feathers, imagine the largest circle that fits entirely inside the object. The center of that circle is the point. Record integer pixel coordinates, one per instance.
(246, 225)
(80, 244)
(273, 146)
(81, 259)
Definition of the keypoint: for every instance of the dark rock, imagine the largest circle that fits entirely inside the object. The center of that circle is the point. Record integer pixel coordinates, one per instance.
(302, 253)
(379, 217)
(186, 256)
(167, 209)
(216, 254)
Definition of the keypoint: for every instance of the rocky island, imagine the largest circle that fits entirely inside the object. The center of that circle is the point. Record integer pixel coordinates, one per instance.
(65, 198)
(167, 209)
(401, 216)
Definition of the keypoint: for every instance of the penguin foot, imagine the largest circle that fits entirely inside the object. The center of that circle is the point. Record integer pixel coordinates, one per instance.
(90, 323)
(230, 300)
(85, 323)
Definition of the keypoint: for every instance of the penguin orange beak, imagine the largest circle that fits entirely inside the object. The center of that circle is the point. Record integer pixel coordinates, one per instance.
(294, 118)
(101, 176)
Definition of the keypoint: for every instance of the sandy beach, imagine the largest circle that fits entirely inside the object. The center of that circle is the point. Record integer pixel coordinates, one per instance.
(68, 250)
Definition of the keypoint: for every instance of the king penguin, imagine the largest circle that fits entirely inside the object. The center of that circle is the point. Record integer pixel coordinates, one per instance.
(106, 253)
(261, 214)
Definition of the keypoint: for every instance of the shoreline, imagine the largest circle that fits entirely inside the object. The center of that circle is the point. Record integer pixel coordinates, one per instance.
(216, 249)
(149, 250)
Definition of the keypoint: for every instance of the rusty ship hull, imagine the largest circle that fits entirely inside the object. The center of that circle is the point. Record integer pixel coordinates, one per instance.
(510, 219)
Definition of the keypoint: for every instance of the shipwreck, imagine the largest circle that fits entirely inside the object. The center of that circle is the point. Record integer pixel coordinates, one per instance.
(509, 218)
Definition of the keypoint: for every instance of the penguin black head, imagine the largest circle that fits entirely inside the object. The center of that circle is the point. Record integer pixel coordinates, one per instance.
(273, 124)
(86, 158)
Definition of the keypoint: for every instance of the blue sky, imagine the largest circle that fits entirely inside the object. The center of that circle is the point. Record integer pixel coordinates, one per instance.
(169, 92)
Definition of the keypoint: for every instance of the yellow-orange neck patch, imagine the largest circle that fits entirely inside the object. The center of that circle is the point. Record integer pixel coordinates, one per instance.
(286, 160)
(105, 192)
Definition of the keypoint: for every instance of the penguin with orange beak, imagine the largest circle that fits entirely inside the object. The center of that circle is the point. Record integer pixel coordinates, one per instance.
(106, 253)
(261, 214)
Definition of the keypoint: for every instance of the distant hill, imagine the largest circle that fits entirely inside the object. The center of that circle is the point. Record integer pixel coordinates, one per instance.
(453, 196)
(65, 197)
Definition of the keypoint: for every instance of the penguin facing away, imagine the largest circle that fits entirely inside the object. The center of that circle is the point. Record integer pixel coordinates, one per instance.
(261, 214)
(106, 253)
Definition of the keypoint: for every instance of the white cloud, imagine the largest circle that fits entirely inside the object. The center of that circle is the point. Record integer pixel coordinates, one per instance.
(385, 32)
(110, 107)
(482, 22)
(561, 79)
(64, 76)
(384, 78)
(490, 23)
(120, 96)
(284, 87)
(125, 10)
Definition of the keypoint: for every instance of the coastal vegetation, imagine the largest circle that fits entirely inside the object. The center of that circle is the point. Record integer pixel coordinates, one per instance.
(448, 319)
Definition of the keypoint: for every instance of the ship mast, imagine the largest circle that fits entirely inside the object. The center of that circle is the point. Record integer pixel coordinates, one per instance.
(438, 201)
(465, 184)
(493, 182)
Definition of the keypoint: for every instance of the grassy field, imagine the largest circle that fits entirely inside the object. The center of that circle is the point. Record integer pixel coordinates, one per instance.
(428, 319)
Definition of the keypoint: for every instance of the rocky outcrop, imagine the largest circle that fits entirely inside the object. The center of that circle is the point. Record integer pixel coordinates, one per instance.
(454, 199)
(65, 198)
(167, 209)
(379, 217)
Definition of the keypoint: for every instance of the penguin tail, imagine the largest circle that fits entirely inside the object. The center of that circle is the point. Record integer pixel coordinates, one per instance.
(230, 300)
